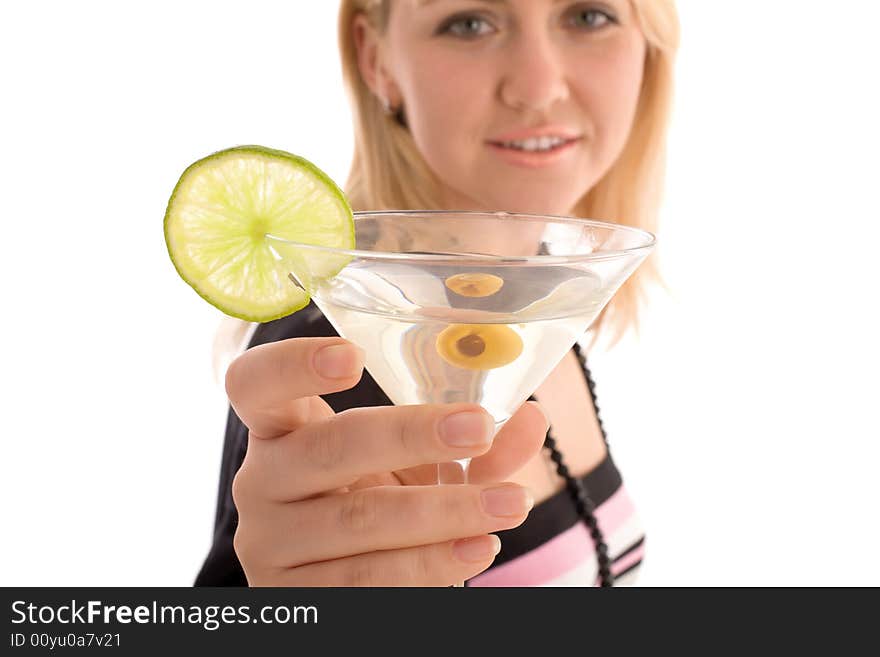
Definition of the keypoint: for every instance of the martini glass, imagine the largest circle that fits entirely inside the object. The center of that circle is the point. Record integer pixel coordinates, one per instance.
(465, 306)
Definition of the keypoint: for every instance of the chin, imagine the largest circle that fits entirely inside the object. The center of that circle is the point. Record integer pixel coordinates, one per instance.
(541, 201)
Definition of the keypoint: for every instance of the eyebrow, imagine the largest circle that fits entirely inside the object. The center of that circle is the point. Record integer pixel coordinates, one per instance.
(425, 3)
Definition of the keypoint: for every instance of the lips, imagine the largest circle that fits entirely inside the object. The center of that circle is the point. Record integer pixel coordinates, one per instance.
(535, 144)
(534, 147)
(524, 134)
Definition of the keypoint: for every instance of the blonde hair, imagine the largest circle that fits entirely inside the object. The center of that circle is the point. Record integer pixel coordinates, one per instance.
(388, 172)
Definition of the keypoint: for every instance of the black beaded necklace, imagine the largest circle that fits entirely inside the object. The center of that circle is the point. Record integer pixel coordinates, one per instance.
(575, 487)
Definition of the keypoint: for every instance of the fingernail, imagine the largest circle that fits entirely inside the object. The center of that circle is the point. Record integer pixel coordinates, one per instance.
(477, 549)
(467, 429)
(506, 501)
(543, 412)
(339, 361)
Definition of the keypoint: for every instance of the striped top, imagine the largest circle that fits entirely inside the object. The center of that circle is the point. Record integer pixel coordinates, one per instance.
(551, 548)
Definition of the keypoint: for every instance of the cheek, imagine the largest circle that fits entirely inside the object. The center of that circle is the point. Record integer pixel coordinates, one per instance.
(444, 107)
(610, 91)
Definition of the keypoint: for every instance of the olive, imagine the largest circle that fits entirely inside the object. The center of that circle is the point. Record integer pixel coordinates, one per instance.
(474, 284)
(479, 346)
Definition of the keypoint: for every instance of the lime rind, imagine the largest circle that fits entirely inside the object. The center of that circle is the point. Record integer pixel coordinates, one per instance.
(223, 207)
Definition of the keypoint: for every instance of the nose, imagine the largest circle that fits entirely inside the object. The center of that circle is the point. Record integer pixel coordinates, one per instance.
(534, 76)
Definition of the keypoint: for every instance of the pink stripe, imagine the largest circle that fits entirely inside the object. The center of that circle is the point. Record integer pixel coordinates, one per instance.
(561, 553)
(633, 557)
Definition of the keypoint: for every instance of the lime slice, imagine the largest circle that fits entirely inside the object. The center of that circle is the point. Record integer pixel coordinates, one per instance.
(221, 211)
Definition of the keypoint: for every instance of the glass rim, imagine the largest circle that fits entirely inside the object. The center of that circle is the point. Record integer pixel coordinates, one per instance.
(477, 258)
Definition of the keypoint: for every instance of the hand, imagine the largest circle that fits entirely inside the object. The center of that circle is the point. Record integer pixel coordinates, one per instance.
(349, 499)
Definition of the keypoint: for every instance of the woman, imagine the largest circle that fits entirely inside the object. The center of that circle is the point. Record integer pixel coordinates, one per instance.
(533, 106)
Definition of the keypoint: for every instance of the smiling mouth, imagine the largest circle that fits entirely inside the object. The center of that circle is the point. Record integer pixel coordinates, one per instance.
(536, 144)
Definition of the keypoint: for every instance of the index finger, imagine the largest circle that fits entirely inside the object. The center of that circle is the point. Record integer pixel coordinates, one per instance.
(269, 385)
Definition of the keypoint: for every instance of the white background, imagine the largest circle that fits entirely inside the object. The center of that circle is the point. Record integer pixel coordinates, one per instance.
(744, 419)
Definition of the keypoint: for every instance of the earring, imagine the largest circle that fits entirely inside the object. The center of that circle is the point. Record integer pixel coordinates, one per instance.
(395, 112)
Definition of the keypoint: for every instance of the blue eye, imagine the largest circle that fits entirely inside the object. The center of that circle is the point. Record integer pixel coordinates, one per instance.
(466, 27)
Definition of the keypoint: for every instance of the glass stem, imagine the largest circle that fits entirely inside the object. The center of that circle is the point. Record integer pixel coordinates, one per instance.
(453, 472)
